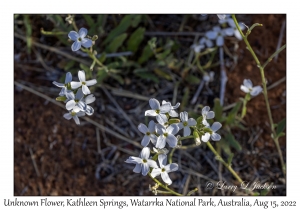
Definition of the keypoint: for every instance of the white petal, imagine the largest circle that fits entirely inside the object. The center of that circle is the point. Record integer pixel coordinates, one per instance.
(91, 82)
(171, 167)
(184, 116)
(145, 141)
(76, 46)
(180, 125)
(79, 95)
(245, 89)
(137, 168)
(81, 76)
(161, 142)
(76, 119)
(209, 43)
(70, 104)
(248, 83)
(151, 126)
(145, 169)
(192, 122)
(62, 91)
(172, 140)
(211, 35)
(256, 90)
(143, 128)
(68, 78)
(173, 113)
(81, 105)
(229, 31)
(221, 17)
(216, 126)
(58, 84)
(80, 114)
(145, 153)
(161, 119)
(89, 110)
(220, 41)
(162, 159)
(153, 139)
(73, 35)
(172, 129)
(231, 23)
(155, 172)
(152, 163)
(165, 177)
(86, 42)
(75, 85)
(215, 137)
(82, 32)
(90, 99)
(186, 131)
(154, 104)
(217, 29)
(85, 90)
(205, 110)
(160, 129)
(165, 108)
(176, 106)
(68, 116)
(205, 137)
(135, 160)
(238, 35)
(150, 113)
(210, 115)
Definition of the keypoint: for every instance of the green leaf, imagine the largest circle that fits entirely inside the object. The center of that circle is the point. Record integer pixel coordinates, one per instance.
(118, 78)
(146, 54)
(225, 147)
(232, 114)
(232, 142)
(102, 57)
(280, 126)
(193, 80)
(89, 20)
(147, 75)
(162, 74)
(218, 109)
(135, 39)
(229, 160)
(136, 20)
(185, 98)
(163, 55)
(116, 43)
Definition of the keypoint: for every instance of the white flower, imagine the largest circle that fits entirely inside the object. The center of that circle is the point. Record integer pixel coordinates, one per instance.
(160, 151)
(75, 101)
(197, 47)
(209, 77)
(163, 120)
(221, 16)
(166, 135)
(186, 123)
(164, 169)
(205, 40)
(207, 114)
(143, 163)
(74, 115)
(83, 83)
(172, 112)
(149, 133)
(218, 34)
(214, 136)
(233, 30)
(79, 39)
(89, 99)
(248, 88)
(157, 110)
(64, 86)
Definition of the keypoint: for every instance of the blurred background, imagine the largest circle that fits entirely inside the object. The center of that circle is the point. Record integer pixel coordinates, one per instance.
(148, 56)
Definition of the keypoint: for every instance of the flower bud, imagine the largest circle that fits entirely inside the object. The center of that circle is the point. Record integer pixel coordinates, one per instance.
(94, 38)
(197, 138)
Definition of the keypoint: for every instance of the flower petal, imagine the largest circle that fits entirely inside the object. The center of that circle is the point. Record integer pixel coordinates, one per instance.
(221, 16)
(186, 131)
(81, 76)
(172, 140)
(205, 137)
(192, 122)
(256, 90)
(73, 35)
(75, 85)
(216, 126)
(184, 116)
(68, 78)
(238, 35)
(82, 32)
(165, 177)
(62, 91)
(79, 95)
(145, 141)
(152, 163)
(180, 125)
(155, 172)
(89, 110)
(76, 119)
(220, 41)
(211, 35)
(160, 129)
(145, 153)
(90, 99)
(161, 142)
(161, 119)
(172, 129)
(76, 46)
(162, 159)
(145, 169)
(229, 31)
(165, 108)
(245, 89)
(176, 106)
(143, 128)
(205, 110)
(81, 105)
(150, 113)
(91, 82)
(137, 168)
(215, 137)
(151, 126)
(173, 113)
(248, 83)
(171, 167)
(135, 160)
(58, 84)
(154, 104)
(210, 115)
(85, 90)
(153, 139)
(70, 104)
(86, 42)
(68, 116)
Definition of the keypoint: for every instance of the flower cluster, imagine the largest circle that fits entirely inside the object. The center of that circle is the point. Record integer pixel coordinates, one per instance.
(80, 39)
(218, 33)
(77, 96)
(164, 133)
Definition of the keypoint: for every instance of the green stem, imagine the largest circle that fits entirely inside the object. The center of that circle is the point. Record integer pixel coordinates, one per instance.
(218, 157)
(186, 137)
(165, 187)
(274, 54)
(171, 155)
(261, 69)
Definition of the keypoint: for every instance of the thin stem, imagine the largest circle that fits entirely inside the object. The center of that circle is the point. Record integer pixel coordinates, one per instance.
(186, 137)
(274, 54)
(165, 187)
(171, 155)
(261, 69)
(218, 157)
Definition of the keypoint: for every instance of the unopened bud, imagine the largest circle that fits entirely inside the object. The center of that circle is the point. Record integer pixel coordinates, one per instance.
(197, 138)
(61, 98)
(95, 37)
(172, 121)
